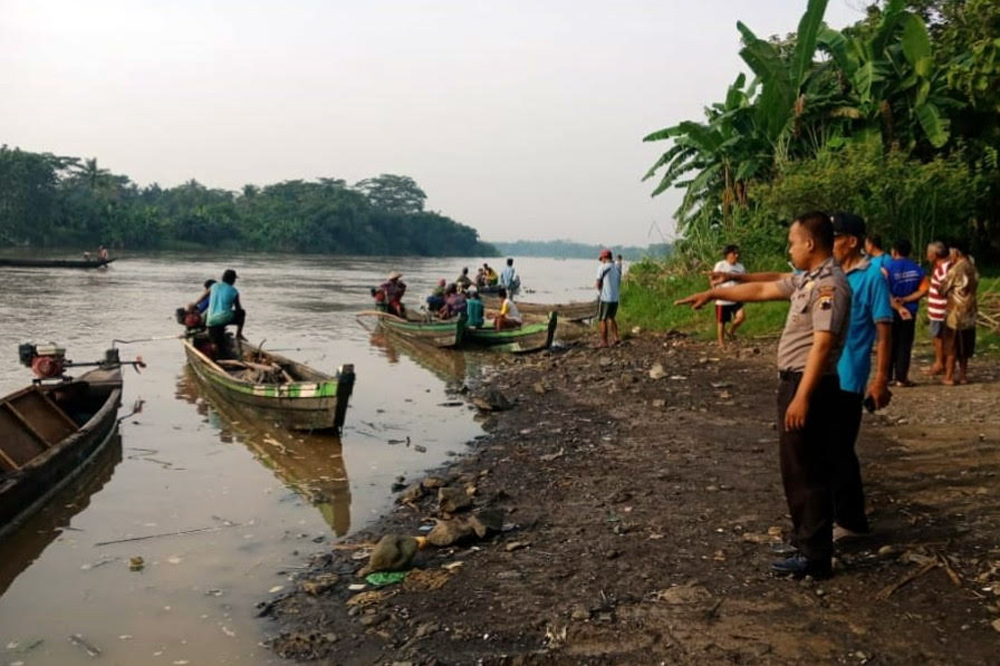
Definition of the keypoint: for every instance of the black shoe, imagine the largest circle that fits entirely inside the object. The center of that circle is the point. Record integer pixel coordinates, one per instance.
(798, 566)
(784, 549)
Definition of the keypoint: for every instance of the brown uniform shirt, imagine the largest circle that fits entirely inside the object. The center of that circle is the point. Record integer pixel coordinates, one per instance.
(821, 301)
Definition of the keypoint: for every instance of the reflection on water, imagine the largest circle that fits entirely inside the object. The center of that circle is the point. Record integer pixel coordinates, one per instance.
(311, 464)
(448, 364)
(42, 528)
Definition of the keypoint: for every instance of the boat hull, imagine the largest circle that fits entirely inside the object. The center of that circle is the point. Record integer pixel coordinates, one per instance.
(443, 334)
(574, 311)
(44, 448)
(52, 263)
(528, 338)
(315, 405)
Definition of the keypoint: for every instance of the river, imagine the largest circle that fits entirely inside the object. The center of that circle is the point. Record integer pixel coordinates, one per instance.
(262, 500)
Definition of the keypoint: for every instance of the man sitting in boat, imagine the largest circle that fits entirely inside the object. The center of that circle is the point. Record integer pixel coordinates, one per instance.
(454, 302)
(464, 281)
(474, 310)
(436, 300)
(392, 291)
(509, 316)
(490, 275)
(224, 309)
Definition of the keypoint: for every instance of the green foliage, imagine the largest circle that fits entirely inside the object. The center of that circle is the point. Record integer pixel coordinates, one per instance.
(899, 121)
(60, 201)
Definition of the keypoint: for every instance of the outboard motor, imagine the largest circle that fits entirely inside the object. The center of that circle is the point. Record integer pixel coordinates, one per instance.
(46, 361)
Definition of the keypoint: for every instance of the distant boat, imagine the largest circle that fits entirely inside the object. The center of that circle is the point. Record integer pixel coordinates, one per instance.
(274, 388)
(576, 311)
(48, 434)
(53, 263)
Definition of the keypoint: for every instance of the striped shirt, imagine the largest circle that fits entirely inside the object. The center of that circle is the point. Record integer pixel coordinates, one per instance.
(936, 303)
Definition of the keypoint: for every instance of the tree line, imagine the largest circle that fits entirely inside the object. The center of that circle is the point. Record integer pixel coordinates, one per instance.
(53, 201)
(567, 249)
(896, 118)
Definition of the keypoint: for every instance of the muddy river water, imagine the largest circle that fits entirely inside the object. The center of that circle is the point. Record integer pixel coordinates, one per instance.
(253, 502)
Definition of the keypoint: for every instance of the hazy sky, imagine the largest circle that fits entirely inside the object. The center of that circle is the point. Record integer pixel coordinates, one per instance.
(522, 119)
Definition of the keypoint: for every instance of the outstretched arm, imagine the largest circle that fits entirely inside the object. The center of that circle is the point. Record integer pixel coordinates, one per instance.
(741, 293)
(717, 277)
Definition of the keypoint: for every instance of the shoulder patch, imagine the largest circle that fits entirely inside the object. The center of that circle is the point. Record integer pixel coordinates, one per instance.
(825, 299)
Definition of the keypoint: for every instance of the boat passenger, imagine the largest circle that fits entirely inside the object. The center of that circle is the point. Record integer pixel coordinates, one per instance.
(509, 316)
(102, 253)
(436, 300)
(464, 281)
(480, 278)
(454, 302)
(223, 309)
(394, 289)
(474, 308)
(491, 275)
(195, 317)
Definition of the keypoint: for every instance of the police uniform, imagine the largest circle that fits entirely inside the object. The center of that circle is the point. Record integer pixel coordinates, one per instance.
(820, 301)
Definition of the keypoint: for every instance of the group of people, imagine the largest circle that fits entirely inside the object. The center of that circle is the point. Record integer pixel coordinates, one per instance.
(461, 297)
(844, 299)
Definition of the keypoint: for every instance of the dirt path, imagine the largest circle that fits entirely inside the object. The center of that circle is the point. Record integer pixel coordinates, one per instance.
(639, 515)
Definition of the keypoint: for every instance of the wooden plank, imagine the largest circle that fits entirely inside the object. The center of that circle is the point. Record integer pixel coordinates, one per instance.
(28, 426)
(59, 410)
(19, 445)
(44, 416)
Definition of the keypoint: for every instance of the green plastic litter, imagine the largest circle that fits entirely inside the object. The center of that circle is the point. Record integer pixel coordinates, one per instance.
(383, 578)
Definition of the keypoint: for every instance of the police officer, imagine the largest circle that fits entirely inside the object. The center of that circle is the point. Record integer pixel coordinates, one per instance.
(808, 352)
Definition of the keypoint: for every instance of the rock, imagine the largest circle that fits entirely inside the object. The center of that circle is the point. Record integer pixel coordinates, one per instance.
(549, 457)
(538, 388)
(398, 484)
(451, 499)
(493, 401)
(657, 372)
(319, 584)
(486, 522)
(433, 482)
(393, 553)
(412, 493)
(683, 594)
(448, 532)
(581, 614)
(996, 624)
(659, 403)
(516, 545)
(136, 563)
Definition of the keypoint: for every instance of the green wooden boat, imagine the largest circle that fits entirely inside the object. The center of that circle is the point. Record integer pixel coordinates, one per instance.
(575, 311)
(436, 333)
(530, 337)
(274, 388)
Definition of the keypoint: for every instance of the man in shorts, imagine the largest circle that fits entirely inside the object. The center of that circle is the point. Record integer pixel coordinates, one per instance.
(609, 278)
(727, 311)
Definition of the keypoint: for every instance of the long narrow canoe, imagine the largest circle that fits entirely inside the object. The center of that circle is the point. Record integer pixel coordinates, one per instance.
(573, 311)
(49, 434)
(52, 263)
(530, 337)
(274, 388)
(436, 333)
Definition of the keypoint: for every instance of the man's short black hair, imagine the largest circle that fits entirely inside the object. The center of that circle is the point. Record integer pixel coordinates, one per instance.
(876, 241)
(730, 248)
(209, 282)
(903, 247)
(510, 262)
(229, 276)
(818, 225)
(959, 244)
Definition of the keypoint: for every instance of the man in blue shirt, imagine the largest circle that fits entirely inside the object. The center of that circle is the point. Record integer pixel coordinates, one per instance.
(871, 319)
(907, 287)
(509, 279)
(224, 309)
(609, 278)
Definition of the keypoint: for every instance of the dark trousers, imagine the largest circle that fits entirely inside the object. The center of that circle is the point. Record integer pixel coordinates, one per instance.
(902, 347)
(217, 334)
(848, 492)
(807, 465)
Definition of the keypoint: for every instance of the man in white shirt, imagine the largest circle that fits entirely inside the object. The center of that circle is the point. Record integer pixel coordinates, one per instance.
(609, 278)
(727, 312)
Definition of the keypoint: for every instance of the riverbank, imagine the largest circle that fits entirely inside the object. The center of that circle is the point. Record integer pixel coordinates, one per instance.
(639, 494)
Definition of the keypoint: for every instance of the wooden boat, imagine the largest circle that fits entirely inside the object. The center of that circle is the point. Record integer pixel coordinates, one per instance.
(50, 433)
(274, 388)
(433, 332)
(10, 262)
(311, 464)
(530, 337)
(37, 531)
(575, 311)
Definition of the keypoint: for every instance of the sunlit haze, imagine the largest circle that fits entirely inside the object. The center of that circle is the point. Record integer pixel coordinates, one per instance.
(521, 119)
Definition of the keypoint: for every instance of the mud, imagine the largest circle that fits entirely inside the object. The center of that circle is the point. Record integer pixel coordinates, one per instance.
(638, 517)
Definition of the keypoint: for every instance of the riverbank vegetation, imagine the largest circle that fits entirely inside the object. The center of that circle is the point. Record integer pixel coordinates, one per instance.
(52, 201)
(567, 249)
(896, 118)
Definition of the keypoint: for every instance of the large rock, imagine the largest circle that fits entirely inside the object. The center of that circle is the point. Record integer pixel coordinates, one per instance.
(451, 499)
(448, 532)
(493, 401)
(487, 522)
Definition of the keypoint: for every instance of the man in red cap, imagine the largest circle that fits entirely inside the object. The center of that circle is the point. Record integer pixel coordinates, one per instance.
(609, 278)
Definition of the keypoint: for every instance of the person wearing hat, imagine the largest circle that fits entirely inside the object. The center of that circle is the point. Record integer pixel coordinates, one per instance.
(224, 309)
(392, 291)
(808, 353)
(464, 281)
(609, 278)
(474, 309)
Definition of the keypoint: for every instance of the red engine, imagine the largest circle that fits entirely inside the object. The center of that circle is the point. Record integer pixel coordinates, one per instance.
(46, 361)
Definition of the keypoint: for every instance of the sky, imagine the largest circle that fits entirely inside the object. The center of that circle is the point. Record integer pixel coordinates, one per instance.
(523, 119)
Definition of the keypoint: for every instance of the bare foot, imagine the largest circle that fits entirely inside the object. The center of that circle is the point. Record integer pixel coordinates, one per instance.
(600, 345)
(963, 380)
(933, 371)
(948, 382)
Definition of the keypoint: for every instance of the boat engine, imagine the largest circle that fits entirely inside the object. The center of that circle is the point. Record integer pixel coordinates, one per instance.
(46, 361)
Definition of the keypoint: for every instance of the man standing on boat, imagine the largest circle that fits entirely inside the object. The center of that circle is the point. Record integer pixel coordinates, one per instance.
(224, 308)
